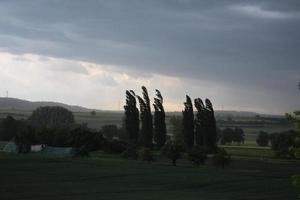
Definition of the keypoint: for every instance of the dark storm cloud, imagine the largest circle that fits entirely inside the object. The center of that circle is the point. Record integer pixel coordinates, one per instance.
(234, 42)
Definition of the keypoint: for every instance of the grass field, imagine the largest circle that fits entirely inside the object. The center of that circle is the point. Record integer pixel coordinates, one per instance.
(250, 151)
(109, 177)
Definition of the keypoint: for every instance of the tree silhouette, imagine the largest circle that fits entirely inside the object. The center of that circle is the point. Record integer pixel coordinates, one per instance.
(131, 117)
(188, 123)
(160, 130)
(51, 117)
(199, 122)
(146, 119)
(210, 126)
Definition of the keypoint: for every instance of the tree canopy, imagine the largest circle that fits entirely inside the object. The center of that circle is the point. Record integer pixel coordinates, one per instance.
(51, 116)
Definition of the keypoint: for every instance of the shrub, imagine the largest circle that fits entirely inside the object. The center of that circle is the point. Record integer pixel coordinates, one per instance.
(130, 152)
(173, 151)
(82, 152)
(221, 158)
(115, 146)
(197, 155)
(146, 154)
(109, 131)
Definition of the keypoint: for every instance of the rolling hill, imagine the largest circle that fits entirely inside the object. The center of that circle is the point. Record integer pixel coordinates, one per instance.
(24, 105)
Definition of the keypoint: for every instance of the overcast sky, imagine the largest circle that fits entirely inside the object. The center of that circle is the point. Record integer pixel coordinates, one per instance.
(243, 55)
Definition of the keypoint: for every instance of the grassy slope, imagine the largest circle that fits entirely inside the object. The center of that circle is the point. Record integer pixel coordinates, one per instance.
(108, 177)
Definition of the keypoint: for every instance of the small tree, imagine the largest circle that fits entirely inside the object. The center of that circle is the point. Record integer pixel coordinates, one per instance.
(221, 158)
(173, 151)
(197, 155)
(262, 139)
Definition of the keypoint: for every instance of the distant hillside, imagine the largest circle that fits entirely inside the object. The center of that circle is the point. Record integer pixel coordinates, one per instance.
(24, 105)
(9, 104)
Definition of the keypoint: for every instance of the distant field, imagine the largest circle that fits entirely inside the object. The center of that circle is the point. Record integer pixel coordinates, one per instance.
(250, 151)
(251, 126)
(110, 177)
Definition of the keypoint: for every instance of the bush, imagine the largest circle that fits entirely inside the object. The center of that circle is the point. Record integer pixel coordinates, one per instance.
(130, 152)
(115, 146)
(221, 158)
(109, 131)
(262, 139)
(146, 154)
(173, 151)
(229, 135)
(82, 152)
(197, 155)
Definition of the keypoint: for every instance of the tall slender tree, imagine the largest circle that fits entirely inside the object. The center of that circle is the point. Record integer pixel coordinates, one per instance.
(146, 119)
(188, 123)
(131, 117)
(210, 126)
(199, 122)
(160, 130)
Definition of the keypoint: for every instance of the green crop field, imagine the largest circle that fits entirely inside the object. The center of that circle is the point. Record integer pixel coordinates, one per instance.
(106, 176)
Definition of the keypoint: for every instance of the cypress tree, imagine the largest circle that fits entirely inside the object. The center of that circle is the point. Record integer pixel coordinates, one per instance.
(200, 122)
(131, 117)
(188, 123)
(146, 119)
(160, 130)
(210, 126)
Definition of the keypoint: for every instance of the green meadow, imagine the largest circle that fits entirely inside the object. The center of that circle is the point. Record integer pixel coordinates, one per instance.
(105, 176)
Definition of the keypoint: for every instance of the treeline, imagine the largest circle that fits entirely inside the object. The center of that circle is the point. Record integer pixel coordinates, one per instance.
(282, 143)
(143, 131)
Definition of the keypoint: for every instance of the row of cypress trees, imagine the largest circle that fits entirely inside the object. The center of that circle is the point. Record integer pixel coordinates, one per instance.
(201, 129)
(133, 118)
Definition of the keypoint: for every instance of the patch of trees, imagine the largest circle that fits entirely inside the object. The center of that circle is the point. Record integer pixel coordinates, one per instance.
(282, 143)
(55, 126)
(77, 136)
(195, 133)
(200, 129)
(262, 139)
(229, 136)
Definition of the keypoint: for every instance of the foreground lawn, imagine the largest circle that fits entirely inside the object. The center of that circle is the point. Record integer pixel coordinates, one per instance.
(109, 177)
